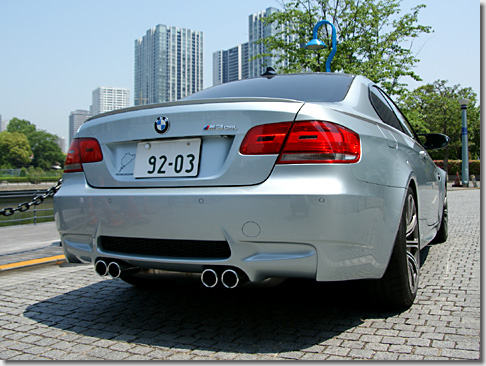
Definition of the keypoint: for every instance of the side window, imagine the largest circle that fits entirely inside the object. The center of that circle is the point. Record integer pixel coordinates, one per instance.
(406, 127)
(384, 109)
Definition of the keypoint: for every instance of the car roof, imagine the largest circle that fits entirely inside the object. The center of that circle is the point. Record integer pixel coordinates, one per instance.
(307, 87)
(299, 87)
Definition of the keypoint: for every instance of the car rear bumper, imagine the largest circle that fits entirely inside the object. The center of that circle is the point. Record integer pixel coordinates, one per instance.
(320, 227)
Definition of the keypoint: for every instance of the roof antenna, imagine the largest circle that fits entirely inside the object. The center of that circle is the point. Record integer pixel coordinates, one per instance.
(269, 73)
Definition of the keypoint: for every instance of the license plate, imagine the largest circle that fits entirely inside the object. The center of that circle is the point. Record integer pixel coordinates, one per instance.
(174, 158)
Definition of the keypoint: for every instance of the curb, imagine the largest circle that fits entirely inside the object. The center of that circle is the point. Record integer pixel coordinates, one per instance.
(462, 188)
(57, 259)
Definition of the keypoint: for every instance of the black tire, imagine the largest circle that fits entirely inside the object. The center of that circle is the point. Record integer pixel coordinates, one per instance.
(399, 285)
(443, 232)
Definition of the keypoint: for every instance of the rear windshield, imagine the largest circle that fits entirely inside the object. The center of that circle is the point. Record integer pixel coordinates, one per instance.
(315, 87)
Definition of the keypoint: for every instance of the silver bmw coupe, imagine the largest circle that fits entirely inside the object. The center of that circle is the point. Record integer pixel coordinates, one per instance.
(316, 176)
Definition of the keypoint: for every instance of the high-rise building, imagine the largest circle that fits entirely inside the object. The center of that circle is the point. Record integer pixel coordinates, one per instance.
(3, 124)
(76, 119)
(241, 62)
(218, 68)
(61, 142)
(230, 65)
(108, 99)
(168, 64)
(257, 31)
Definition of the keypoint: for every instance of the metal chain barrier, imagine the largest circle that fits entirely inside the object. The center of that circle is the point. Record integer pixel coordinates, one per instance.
(37, 200)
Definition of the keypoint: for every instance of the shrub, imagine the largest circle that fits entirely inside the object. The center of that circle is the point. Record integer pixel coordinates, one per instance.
(455, 166)
(28, 179)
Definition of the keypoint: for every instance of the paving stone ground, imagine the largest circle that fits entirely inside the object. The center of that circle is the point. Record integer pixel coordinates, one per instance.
(69, 313)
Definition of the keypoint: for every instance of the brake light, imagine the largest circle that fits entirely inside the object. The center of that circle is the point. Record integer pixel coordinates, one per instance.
(304, 142)
(320, 142)
(265, 139)
(82, 150)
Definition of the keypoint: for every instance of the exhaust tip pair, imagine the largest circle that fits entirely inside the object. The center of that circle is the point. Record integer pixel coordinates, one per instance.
(111, 269)
(229, 278)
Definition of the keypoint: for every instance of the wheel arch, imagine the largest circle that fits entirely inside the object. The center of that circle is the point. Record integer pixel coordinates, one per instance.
(412, 184)
(399, 285)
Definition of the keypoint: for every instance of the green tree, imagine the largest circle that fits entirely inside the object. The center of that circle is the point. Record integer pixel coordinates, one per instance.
(373, 39)
(43, 144)
(21, 126)
(435, 108)
(15, 150)
(46, 150)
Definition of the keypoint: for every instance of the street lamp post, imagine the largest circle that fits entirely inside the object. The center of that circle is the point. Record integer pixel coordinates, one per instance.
(465, 153)
(316, 44)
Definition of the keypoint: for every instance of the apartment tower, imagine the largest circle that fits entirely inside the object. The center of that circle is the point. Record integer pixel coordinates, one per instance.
(230, 65)
(76, 119)
(242, 61)
(168, 64)
(257, 31)
(106, 99)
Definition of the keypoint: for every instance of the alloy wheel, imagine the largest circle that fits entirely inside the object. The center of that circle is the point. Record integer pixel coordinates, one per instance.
(412, 241)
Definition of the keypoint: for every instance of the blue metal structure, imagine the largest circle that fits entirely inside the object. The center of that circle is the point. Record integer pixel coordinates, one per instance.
(317, 44)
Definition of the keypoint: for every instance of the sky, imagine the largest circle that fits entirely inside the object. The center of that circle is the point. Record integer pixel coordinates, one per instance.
(54, 53)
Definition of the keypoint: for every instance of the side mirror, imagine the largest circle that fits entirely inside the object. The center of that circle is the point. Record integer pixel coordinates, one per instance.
(432, 141)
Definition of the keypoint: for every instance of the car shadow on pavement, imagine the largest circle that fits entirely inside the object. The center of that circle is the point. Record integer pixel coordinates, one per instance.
(292, 316)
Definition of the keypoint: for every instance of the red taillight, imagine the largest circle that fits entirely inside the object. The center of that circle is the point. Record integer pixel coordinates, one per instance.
(320, 142)
(82, 150)
(307, 142)
(265, 139)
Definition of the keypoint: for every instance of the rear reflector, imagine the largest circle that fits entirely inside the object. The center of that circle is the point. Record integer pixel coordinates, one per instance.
(82, 150)
(306, 142)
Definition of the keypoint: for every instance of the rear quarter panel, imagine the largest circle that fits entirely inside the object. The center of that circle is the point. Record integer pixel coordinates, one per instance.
(388, 157)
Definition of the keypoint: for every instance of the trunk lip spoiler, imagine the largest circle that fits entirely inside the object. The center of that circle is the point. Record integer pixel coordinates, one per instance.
(194, 102)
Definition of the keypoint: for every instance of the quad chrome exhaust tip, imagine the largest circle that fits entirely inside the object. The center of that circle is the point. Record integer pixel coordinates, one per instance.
(113, 269)
(209, 278)
(230, 278)
(101, 268)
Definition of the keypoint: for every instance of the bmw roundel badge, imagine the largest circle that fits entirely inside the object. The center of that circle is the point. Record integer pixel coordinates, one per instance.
(162, 124)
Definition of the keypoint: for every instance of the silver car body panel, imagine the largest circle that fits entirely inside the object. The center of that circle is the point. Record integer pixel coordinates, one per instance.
(220, 165)
(324, 221)
(336, 233)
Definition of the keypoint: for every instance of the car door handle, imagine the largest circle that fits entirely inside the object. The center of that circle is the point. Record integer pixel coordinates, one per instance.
(423, 154)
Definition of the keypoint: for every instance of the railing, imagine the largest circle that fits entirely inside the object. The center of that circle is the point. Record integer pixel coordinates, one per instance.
(34, 215)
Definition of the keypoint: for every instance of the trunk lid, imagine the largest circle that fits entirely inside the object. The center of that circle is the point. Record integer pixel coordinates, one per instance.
(199, 148)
